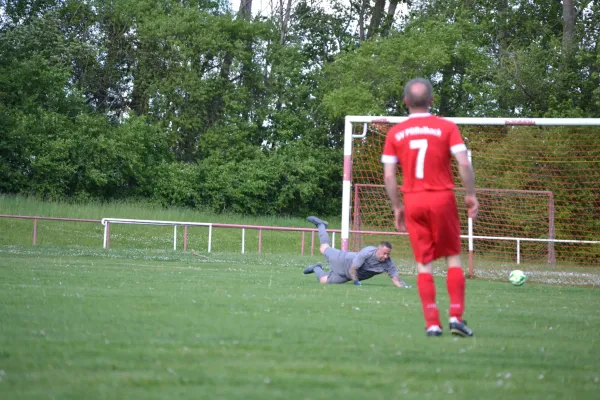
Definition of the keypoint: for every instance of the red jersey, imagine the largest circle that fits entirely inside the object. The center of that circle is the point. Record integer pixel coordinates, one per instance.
(423, 145)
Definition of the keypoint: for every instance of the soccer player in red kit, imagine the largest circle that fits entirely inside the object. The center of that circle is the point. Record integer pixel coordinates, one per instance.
(424, 146)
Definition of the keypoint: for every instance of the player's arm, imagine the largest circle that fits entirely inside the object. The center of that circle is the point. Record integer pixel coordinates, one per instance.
(391, 188)
(391, 185)
(399, 282)
(358, 261)
(393, 274)
(353, 272)
(467, 176)
(466, 172)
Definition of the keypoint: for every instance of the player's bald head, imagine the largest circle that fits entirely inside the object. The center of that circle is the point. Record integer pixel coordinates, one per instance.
(418, 93)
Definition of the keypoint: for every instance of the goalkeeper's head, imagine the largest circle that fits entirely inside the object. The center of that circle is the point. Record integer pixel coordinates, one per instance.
(383, 251)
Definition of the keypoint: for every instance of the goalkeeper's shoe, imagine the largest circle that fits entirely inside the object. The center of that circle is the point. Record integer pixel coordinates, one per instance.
(460, 328)
(434, 330)
(311, 269)
(317, 221)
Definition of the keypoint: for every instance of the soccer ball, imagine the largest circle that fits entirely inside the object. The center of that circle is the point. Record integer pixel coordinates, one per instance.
(517, 277)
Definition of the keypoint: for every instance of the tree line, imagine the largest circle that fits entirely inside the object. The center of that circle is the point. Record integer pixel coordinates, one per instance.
(190, 103)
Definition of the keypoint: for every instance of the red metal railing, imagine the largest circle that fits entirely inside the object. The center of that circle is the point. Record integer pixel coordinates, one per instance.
(35, 220)
(260, 229)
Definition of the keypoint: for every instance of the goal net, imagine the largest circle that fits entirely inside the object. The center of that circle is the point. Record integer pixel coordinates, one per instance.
(538, 184)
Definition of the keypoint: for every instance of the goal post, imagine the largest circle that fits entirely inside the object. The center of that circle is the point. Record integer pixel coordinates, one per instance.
(541, 178)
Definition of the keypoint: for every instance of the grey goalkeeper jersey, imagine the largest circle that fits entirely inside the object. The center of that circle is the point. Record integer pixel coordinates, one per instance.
(368, 264)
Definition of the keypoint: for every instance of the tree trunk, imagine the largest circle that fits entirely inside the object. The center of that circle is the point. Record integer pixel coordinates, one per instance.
(245, 11)
(245, 8)
(386, 25)
(502, 44)
(501, 36)
(362, 9)
(376, 17)
(568, 30)
(284, 19)
(392, 7)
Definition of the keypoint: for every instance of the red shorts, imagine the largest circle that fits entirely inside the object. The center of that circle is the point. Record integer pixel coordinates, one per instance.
(433, 224)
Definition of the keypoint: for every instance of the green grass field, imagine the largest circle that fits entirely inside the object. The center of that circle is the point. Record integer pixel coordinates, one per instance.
(156, 324)
(141, 321)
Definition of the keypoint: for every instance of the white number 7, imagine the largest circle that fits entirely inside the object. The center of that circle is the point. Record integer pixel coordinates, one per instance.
(421, 145)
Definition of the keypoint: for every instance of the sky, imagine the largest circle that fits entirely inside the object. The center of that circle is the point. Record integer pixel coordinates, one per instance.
(258, 6)
(264, 7)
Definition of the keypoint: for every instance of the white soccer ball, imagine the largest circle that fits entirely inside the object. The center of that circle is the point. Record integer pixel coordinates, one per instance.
(517, 277)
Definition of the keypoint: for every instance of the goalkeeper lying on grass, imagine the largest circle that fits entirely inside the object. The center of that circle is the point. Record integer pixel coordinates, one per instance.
(348, 266)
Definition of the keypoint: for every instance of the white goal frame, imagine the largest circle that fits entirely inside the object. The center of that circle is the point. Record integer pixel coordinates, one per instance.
(349, 136)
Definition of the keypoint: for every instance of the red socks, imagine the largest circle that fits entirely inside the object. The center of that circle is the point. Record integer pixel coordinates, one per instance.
(426, 286)
(455, 283)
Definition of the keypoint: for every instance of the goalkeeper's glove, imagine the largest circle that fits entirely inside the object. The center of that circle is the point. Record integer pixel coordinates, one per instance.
(357, 283)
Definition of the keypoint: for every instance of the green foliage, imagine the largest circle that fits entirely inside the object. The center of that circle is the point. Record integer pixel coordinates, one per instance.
(53, 146)
(177, 184)
(293, 181)
(35, 110)
(187, 104)
(480, 65)
(115, 161)
(370, 80)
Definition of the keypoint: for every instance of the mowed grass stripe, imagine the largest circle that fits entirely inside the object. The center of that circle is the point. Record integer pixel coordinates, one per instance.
(122, 324)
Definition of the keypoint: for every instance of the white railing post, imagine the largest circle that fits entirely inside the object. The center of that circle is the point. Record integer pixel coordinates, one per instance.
(518, 251)
(175, 237)
(470, 234)
(209, 237)
(243, 239)
(105, 234)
